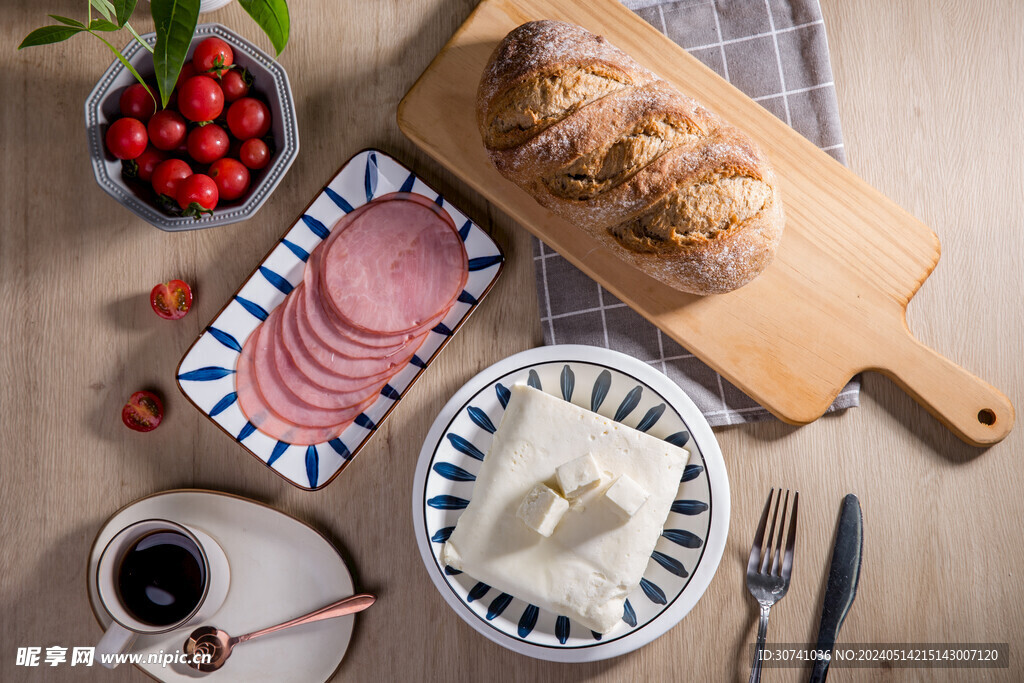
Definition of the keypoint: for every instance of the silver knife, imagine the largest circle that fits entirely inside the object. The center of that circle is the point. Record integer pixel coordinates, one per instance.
(842, 583)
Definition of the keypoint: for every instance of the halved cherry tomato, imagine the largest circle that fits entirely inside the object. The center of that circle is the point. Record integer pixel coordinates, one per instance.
(143, 411)
(171, 300)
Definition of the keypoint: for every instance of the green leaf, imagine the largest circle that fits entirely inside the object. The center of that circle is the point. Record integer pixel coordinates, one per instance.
(123, 10)
(49, 34)
(65, 20)
(120, 58)
(272, 17)
(175, 25)
(103, 25)
(103, 7)
(138, 38)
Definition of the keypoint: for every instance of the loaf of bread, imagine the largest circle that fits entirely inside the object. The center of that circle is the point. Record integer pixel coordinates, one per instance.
(604, 143)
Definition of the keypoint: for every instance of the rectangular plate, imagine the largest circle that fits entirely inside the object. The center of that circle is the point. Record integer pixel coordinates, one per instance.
(206, 374)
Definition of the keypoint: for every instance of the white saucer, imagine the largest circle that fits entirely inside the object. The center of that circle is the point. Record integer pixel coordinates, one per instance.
(280, 568)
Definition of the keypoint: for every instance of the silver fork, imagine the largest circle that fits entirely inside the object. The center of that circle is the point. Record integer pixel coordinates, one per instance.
(766, 580)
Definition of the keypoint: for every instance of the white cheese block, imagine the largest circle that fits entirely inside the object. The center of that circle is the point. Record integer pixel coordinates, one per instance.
(578, 475)
(542, 509)
(593, 559)
(626, 495)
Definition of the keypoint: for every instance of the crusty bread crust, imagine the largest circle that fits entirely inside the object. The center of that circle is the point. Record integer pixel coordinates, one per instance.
(601, 141)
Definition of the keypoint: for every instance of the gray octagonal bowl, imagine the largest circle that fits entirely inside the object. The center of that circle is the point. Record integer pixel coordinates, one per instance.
(271, 84)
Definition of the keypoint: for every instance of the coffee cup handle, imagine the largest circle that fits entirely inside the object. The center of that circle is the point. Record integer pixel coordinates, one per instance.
(116, 640)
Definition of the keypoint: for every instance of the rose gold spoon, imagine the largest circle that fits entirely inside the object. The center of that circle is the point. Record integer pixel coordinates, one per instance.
(207, 640)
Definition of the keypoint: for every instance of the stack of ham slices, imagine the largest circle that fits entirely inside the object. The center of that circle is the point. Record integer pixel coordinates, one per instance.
(371, 292)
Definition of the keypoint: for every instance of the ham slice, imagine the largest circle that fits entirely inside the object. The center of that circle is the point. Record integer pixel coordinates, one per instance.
(394, 267)
(329, 369)
(307, 391)
(323, 356)
(279, 398)
(336, 332)
(263, 418)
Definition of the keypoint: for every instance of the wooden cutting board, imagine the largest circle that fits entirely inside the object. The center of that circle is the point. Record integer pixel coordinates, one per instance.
(832, 304)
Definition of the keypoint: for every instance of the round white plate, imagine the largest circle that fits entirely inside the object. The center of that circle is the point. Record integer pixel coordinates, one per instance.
(280, 568)
(614, 385)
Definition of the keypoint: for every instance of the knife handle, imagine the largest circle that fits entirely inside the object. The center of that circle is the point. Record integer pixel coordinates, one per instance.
(820, 671)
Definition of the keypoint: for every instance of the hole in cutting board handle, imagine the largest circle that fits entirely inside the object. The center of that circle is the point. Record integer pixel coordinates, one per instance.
(986, 417)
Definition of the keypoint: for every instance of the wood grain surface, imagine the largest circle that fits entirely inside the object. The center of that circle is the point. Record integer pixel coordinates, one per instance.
(831, 305)
(930, 99)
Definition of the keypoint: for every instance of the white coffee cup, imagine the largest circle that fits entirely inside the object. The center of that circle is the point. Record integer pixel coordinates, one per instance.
(125, 627)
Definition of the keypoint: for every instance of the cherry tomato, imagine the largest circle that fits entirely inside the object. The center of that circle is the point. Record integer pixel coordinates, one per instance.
(137, 102)
(235, 84)
(142, 166)
(207, 143)
(188, 70)
(143, 411)
(198, 194)
(213, 56)
(200, 99)
(248, 118)
(168, 175)
(166, 129)
(254, 153)
(126, 138)
(231, 176)
(171, 300)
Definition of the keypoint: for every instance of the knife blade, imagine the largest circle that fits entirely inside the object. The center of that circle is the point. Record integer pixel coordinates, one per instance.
(843, 575)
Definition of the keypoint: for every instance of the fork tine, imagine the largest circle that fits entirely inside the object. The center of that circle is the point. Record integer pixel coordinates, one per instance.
(771, 535)
(755, 549)
(787, 561)
(782, 528)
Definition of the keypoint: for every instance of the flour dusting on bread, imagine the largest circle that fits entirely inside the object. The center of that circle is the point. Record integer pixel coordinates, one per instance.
(604, 143)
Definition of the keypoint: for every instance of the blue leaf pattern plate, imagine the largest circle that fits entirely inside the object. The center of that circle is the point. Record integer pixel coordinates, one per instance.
(206, 374)
(616, 386)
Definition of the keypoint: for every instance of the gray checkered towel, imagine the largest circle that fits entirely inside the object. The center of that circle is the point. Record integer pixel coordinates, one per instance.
(776, 52)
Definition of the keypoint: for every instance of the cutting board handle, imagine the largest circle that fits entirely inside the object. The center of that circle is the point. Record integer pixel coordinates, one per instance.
(972, 408)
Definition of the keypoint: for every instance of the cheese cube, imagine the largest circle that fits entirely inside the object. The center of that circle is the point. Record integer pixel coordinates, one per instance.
(578, 475)
(542, 509)
(626, 495)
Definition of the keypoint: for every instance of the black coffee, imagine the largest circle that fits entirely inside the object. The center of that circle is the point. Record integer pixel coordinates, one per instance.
(161, 578)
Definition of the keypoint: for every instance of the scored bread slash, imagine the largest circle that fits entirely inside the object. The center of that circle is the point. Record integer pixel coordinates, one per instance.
(667, 186)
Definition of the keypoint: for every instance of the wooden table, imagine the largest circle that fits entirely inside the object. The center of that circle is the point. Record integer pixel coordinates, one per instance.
(930, 97)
